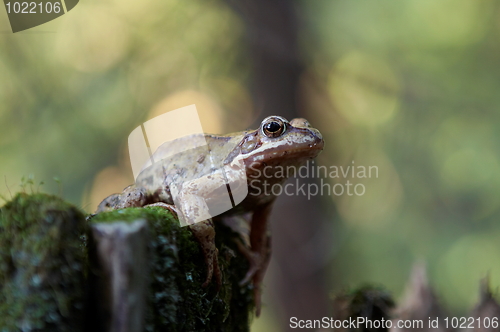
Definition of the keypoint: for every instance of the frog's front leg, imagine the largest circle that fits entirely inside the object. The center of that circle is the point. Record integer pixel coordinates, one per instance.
(204, 232)
(259, 253)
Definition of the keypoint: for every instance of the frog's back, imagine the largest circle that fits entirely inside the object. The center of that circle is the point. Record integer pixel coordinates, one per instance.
(185, 158)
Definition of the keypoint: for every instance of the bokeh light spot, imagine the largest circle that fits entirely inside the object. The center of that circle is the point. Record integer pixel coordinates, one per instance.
(208, 109)
(92, 46)
(381, 200)
(469, 260)
(364, 89)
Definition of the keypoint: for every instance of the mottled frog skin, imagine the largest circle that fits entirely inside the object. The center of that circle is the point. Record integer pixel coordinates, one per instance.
(277, 144)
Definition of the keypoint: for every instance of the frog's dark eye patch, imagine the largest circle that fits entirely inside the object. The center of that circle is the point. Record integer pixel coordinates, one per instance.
(273, 127)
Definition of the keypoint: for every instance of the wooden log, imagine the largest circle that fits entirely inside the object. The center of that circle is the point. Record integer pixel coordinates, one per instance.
(176, 300)
(134, 269)
(119, 290)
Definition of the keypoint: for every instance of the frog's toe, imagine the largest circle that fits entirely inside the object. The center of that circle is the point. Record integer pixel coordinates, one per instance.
(165, 206)
(213, 269)
(109, 203)
(217, 272)
(250, 273)
(252, 270)
(254, 260)
(210, 272)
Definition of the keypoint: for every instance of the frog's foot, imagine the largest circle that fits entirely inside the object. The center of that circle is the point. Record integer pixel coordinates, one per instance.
(131, 196)
(166, 206)
(254, 260)
(257, 281)
(258, 265)
(204, 232)
(255, 271)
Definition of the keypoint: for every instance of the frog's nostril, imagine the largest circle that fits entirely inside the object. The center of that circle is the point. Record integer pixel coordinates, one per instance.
(317, 135)
(319, 143)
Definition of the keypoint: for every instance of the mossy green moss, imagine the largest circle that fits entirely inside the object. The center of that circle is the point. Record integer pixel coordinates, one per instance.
(43, 269)
(42, 265)
(177, 301)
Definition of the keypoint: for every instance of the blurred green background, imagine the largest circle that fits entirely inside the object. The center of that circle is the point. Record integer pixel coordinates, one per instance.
(411, 87)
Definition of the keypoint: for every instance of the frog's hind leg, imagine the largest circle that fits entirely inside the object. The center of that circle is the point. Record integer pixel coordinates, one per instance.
(259, 276)
(259, 254)
(131, 196)
(204, 232)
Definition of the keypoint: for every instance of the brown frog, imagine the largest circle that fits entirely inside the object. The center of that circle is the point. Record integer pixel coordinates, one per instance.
(263, 155)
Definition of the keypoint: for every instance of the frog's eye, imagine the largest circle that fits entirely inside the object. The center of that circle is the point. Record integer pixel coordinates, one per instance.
(273, 127)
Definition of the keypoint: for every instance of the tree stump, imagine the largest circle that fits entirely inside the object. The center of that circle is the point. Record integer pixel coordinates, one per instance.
(128, 270)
